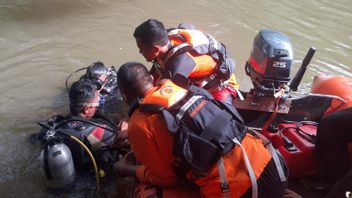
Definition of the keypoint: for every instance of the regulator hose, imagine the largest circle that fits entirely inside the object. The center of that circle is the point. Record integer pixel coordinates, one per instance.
(95, 167)
(91, 123)
(69, 76)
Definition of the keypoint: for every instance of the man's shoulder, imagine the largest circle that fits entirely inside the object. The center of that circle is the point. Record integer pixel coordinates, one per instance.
(182, 63)
(145, 121)
(141, 117)
(180, 58)
(79, 126)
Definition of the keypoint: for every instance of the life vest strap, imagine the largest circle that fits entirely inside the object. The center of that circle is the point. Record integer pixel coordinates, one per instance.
(224, 185)
(175, 50)
(276, 98)
(250, 170)
(46, 163)
(212, 81)
(184, 107)
(273, 153)
(151, 108)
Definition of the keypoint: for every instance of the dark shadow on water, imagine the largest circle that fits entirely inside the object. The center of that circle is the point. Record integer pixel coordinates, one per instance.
(85, 187)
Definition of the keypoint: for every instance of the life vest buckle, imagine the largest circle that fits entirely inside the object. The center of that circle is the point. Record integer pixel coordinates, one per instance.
(224, 187)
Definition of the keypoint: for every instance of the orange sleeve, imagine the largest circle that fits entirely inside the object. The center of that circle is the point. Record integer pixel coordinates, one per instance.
(152, 144)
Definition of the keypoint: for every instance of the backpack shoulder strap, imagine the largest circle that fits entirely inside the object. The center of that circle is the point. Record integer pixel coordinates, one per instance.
(150, 108)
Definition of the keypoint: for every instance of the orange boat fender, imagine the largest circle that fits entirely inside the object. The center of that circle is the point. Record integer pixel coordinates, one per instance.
(335, 86)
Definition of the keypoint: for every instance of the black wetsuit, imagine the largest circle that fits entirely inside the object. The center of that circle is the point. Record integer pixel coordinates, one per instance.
(97, 139)
(333, 135)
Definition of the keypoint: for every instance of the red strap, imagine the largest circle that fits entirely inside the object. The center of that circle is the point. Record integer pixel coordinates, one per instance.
(98, 133)
(277, 97)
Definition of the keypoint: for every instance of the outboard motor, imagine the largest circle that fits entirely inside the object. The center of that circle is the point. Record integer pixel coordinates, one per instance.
(269, 67)
(270, 62)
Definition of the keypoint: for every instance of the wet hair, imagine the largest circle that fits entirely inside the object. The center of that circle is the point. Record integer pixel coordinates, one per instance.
(95, 71)
(80, 92)
(151, 32)
(132, 77)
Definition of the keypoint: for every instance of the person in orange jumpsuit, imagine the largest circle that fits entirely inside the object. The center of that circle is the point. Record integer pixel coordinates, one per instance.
(153, 146)
(189, 52)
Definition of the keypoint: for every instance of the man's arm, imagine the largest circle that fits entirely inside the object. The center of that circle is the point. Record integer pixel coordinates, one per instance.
(152, 145)
(180, 64)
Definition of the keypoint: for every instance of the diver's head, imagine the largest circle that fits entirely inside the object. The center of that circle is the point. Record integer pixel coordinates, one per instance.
(84, 98)
(98, 73)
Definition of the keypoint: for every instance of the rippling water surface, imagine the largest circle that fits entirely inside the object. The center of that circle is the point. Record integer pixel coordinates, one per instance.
(41, 42)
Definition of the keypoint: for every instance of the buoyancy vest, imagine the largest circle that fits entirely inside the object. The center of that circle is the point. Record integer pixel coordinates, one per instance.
(199, 43)
(203, 128)
(96, 134)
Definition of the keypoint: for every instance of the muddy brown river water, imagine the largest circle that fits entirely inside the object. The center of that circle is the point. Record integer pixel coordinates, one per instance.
(42, 41)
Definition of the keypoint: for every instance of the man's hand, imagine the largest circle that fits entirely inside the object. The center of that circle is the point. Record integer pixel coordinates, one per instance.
(125, 165)
(122, 125)
(122, 135)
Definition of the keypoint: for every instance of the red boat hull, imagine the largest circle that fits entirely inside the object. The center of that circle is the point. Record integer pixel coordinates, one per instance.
(295, 142)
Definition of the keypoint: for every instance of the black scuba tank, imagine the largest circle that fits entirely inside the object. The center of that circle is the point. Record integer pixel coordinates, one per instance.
(270, 62)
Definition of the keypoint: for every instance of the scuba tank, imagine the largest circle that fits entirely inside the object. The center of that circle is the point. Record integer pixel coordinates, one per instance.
(56, 157)
(56, 160)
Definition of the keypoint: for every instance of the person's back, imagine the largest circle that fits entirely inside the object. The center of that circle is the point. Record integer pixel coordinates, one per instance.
(96, 133)
(162, 154)
(334, 170)
(154, 149)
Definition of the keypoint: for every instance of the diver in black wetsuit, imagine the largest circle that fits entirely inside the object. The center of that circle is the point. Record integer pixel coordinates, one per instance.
(98, 134)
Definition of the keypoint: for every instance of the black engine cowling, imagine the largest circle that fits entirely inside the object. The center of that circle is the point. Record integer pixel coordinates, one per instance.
(270, 62)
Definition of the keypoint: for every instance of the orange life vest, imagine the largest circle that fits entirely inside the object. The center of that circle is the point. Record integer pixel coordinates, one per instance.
(193, 115)
(194, 120)
(209, 55)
